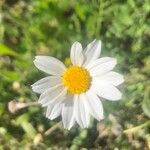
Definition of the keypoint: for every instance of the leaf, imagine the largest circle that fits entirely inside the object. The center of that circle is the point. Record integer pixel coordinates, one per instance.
(146, 103)
(29, 129)
(1, 109)
(10, 75)
(23, 121)
(4, 50)
(22, 118)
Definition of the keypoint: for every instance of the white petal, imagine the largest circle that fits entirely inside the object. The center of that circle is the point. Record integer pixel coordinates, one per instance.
(113, 78)
(98, 62)
(45, 83)
(55, 93)
(80, 111)
(76, 54)
(102, 66)
(56, 110)
(107, 91)
(67, 112)
(49, 65)
(92, 51)
(50, 108)
(95, 105)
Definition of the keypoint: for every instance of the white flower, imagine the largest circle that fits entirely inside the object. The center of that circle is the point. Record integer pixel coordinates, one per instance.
(75, 92)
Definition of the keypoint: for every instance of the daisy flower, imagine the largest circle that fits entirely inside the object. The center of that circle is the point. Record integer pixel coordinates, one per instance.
(75, 93)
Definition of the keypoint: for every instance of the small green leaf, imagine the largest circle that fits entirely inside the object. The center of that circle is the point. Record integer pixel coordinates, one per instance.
(10, 75)
(1, 109)
(146, 103)
(4, 50)
(22, 118)
(29, 129)
(26, 126)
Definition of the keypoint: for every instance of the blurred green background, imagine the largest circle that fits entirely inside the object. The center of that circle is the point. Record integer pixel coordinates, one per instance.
(49, 27)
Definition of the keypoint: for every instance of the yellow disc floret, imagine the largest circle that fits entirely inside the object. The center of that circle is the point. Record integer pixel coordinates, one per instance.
(76, 79)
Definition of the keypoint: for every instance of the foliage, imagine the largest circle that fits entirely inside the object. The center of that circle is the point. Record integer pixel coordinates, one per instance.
(49, 27)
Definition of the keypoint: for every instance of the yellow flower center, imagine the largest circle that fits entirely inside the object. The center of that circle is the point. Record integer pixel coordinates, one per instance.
(76, 79)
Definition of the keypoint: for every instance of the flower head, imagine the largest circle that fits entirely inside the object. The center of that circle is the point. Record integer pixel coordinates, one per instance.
(74, 93)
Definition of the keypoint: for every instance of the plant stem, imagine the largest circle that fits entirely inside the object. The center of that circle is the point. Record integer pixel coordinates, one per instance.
(50, 130)
(137, 128)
